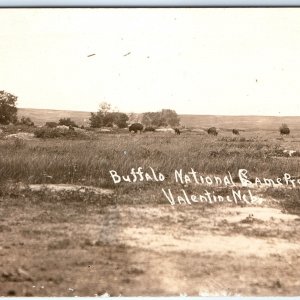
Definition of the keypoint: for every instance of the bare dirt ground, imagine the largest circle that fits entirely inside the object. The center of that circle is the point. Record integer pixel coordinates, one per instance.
(54, 248)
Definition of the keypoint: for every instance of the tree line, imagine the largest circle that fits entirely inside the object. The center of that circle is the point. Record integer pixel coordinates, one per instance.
(105, 117)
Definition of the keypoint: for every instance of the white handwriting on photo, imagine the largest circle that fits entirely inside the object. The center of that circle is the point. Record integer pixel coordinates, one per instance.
(239, 186)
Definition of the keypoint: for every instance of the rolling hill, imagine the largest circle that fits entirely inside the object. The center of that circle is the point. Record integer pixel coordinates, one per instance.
(240, 122)
(41, 116)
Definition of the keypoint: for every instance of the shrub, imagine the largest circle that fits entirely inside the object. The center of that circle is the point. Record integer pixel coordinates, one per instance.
(48, 133)
(25, 121)
(108, 119)
(163, 118)
(67, 122)
(51, 124)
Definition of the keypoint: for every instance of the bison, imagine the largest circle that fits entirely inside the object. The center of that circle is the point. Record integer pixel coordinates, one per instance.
(177, 131)
(135, 127)
(212, 131)
(235, 131)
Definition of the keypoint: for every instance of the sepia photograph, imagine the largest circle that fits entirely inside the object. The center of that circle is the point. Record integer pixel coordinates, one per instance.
(149, 152)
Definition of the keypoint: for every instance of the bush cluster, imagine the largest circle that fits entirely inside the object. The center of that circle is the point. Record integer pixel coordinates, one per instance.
(48, 133)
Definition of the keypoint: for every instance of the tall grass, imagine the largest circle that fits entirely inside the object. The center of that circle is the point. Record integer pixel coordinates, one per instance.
(89, 161)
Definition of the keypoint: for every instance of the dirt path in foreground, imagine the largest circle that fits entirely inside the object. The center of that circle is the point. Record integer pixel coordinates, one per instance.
(62, 250)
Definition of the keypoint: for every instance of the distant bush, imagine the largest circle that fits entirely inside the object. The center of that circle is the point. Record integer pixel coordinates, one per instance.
(67, 122)
(51, 124)
(105, 117)
(25, 121)
(50, 133)
(284, 129)
(163, 118)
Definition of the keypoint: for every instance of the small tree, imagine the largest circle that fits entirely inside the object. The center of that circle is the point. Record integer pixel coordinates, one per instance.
(284, 129)
(106, 117)
(8, 109)
(96, 120)
(163, 118)
(170, 117)
(121, 120)
(153, 119)
(67, 122)
(105, 108)
(100, 118)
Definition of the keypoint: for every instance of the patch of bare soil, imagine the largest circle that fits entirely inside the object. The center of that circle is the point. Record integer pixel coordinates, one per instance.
(21, 136)
(58, 249)
(189, 233)
(68, 188)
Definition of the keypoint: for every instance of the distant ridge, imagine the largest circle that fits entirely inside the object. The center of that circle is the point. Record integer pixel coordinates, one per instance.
(41, 116)
(240, 122)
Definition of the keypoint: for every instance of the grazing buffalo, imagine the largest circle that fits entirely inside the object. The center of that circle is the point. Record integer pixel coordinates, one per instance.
(235, 131)
(135, 127)
(212, 131)
(284, 130)
(177, 131)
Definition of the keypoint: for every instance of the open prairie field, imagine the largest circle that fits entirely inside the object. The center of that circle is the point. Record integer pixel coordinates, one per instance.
(68, 229)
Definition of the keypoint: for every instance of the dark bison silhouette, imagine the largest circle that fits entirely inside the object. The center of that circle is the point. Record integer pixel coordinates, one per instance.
(177, 131)
(235, 131)
(284, 130)
(135, 127)
(212, 131)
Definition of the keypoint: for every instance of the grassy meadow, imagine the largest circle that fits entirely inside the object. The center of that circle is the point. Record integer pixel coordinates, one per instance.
(89, 161)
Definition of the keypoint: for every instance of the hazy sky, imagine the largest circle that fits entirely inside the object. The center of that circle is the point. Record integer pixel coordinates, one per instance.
(196, 61)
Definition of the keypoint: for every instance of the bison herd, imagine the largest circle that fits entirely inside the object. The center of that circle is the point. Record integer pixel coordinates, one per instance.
(138, 127)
